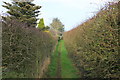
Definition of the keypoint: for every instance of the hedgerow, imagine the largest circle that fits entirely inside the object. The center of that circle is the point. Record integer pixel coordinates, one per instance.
(24, 50)
(94, 45)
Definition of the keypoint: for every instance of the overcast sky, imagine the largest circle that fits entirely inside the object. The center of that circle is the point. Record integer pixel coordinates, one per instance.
(70, 12)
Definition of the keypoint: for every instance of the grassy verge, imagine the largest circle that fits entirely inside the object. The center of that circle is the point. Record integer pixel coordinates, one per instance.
(68, 70)
(61, 62)
(52, 69)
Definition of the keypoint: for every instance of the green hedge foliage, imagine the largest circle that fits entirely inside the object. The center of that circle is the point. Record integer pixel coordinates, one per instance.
(94, 46)
(24, 50)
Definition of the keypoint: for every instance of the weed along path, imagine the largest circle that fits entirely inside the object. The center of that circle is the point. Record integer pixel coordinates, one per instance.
(61, 66)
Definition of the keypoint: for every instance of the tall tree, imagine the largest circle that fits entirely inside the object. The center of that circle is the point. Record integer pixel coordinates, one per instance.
(23, 11)
(41, 24)
(57, 25)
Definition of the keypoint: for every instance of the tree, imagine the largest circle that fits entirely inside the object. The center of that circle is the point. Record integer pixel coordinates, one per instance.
(41, 24)
(23, 11)
(57, 25)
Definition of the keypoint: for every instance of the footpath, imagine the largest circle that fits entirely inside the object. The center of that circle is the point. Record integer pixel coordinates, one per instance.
(61, 65)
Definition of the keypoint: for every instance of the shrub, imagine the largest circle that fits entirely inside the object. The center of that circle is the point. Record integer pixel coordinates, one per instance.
(24, 50)
(94, 45)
